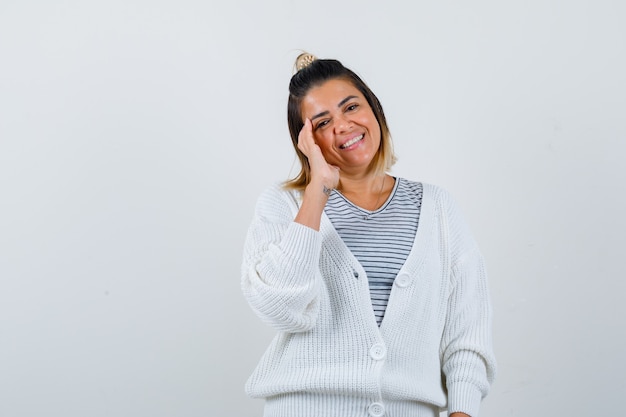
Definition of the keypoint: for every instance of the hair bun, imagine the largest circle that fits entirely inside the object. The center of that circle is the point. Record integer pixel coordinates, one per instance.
(304, 60)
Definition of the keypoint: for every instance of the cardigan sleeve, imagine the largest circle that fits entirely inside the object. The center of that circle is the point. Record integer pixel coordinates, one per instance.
(468, 361)
(280, 273)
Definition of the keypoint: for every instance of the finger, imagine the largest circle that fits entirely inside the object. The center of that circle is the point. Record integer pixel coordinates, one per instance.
(306, 131)
(305, 137)
(308, 126)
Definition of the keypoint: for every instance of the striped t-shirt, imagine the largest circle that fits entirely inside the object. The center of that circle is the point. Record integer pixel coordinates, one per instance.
(382, 239)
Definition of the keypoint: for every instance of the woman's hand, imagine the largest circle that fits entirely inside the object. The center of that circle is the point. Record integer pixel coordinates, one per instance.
(324, 177)
(322, 173)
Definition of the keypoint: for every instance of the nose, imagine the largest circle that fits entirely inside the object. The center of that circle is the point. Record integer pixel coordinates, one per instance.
(342, 123)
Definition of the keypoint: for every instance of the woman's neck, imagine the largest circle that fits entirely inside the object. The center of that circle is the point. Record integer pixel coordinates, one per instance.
(368, 192)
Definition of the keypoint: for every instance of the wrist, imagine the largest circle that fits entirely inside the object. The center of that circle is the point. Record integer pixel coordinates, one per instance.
(318, 189)
(313, 202)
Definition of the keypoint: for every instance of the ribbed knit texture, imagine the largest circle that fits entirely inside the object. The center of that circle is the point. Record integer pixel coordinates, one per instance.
(433, 347)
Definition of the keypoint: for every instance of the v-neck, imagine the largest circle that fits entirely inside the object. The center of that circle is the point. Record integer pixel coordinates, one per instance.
(414, 261)
(367, 212)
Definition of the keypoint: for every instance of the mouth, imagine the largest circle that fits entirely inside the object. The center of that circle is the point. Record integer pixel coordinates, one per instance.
(351, 142)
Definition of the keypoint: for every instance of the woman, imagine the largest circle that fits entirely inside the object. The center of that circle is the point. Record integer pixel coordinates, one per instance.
(375, 286)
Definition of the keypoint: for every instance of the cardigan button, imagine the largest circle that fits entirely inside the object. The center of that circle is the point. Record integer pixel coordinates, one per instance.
(403, 280)
(378, 352)
(376, 410)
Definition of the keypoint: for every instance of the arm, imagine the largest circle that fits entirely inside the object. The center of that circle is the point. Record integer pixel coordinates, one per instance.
(280, 277)
(280, 274)
(468, 362)
(324, 177)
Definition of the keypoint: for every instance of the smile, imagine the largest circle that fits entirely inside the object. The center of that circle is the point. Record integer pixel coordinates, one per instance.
(351, 142)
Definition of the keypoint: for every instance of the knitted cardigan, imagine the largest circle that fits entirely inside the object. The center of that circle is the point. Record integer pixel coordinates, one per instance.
(330, 357)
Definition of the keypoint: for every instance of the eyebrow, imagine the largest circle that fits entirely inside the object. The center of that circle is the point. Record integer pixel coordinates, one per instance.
(341, 103)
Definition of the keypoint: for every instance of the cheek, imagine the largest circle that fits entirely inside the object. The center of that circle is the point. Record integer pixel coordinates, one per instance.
(369, 119)
(326, 146)
(321, 139)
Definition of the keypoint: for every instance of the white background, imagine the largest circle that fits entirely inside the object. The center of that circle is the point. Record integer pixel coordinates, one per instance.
(135, 137)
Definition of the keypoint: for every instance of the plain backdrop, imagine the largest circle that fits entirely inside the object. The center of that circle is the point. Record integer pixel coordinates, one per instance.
(135, 137)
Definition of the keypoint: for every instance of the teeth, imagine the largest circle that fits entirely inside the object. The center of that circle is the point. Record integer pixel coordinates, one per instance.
(351, 142)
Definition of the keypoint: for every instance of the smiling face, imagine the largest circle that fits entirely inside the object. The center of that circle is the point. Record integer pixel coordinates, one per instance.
(344, 125)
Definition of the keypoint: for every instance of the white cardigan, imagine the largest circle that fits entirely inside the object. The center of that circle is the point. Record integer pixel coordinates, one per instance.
(330, 357)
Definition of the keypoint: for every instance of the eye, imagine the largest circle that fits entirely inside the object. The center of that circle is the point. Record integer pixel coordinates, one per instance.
(352, 107)
(322, 124)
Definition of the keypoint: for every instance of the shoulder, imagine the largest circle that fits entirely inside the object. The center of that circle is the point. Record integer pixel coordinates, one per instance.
(440, 201)
(452, 220)
(440, 207)
(409, 185)
(277, 201)
(432, 192)
(442, 195)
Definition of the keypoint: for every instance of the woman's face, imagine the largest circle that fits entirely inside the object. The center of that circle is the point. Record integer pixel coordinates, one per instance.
(344, 125)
